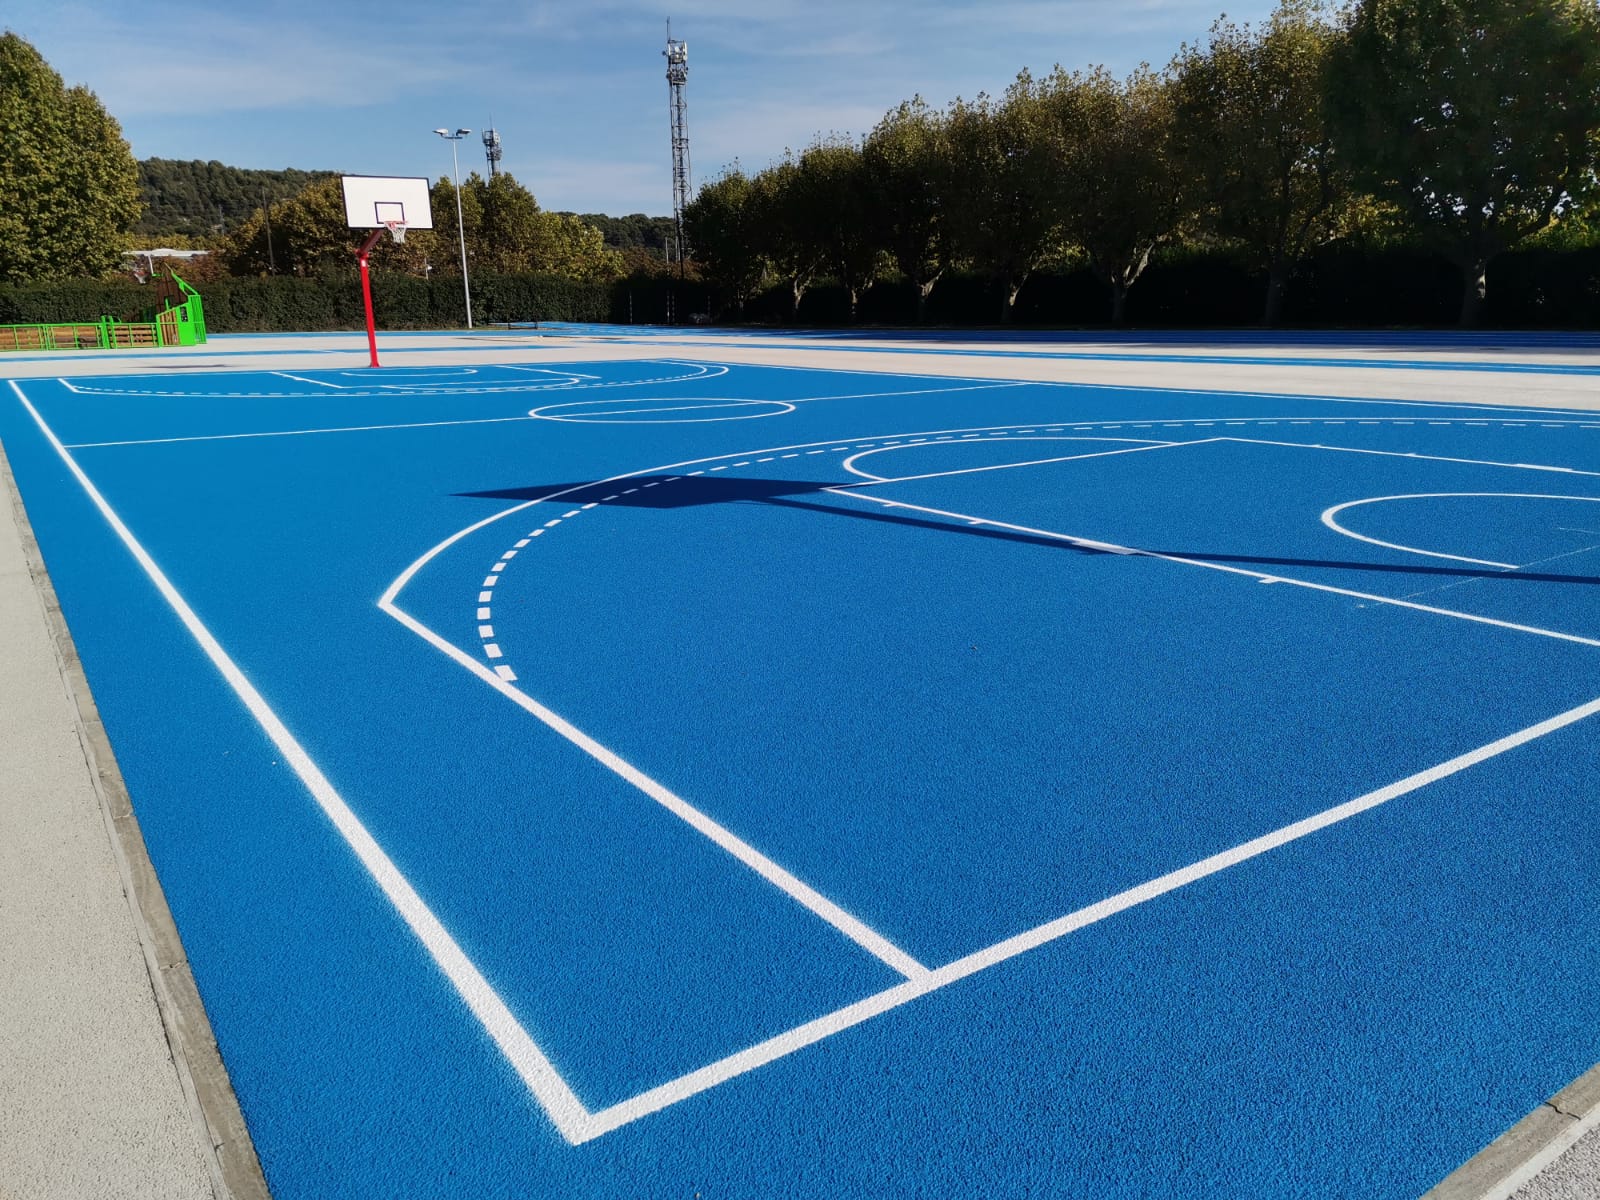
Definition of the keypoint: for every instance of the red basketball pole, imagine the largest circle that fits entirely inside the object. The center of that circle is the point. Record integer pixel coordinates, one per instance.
(366, 292)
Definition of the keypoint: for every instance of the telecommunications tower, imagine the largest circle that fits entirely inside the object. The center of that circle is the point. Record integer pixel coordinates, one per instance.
(677, 56)
(491, 149)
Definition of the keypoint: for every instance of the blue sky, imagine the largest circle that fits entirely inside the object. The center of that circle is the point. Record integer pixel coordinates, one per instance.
(578, 91)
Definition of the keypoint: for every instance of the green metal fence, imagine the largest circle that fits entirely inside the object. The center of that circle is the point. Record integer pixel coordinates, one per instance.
(175, 323)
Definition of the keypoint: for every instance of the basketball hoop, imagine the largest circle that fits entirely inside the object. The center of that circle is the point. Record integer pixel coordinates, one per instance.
(373, 203)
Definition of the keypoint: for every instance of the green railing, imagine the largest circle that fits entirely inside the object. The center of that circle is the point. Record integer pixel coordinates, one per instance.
(173, 324)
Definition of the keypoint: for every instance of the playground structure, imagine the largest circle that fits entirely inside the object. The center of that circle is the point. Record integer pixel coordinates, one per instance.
(178, 321)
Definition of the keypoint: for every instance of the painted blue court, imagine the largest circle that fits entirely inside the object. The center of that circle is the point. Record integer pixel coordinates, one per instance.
(669, 778)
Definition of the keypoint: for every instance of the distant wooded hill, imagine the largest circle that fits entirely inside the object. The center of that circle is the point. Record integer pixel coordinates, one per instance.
(633, 232)
(197, 199)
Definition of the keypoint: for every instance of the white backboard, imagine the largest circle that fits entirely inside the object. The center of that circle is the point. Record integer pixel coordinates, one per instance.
(372, 200)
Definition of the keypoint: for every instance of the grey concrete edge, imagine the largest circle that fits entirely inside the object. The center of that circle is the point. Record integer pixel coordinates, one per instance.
(1528, 1147)
(230, 1155)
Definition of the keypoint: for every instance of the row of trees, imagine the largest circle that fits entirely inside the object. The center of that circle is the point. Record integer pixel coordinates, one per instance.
(506, 233)
(1464, 126)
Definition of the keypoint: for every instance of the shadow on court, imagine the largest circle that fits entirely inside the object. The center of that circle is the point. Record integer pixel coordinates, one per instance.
(664, 491)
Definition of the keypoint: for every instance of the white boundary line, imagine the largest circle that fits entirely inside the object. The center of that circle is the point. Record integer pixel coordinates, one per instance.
(270, 433)
(841, 1019)
(552, 1092)
(1329, 514)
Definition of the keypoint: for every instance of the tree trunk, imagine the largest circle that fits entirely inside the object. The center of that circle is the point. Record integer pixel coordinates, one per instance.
(797, 289)
(1009, 292)
(1277, 283)
(1475, 286)
(1119, 302)
(924, 290)
(854, 295)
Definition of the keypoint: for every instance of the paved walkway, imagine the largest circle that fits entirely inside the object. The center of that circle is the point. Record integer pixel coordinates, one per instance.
(91, 1101)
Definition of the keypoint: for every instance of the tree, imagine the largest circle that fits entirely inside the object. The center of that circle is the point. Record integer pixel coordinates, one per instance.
(309, 235)
(1254, 140)
(906, 159)
(785, 234)
(69, 181)
(1122, 189)
(720, 223)
(835, 211)
(1002, 183)
(506, 232)
(1477, 117)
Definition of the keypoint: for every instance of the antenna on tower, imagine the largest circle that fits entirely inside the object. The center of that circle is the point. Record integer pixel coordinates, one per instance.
(677, 56)
(491, 148)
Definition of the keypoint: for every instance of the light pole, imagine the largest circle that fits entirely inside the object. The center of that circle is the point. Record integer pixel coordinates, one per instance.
(461, 229)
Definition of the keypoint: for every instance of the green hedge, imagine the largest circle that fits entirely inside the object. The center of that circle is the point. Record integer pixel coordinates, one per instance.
(255, 305)
(1336, 286)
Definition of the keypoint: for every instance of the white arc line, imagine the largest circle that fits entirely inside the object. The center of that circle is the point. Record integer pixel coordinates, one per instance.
(607, 1119)
(559, 1101)
(1329, 515)
(849, 463)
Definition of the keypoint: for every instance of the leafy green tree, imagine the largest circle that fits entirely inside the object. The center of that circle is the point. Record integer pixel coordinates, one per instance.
(1478, 118)
(309, 235)
(832, 194)
(1002, 183)
(69, 186)
(907, 163)
(721, 225)
(1122, 190)
(786, 234)
(1253, 137)
(506, 232)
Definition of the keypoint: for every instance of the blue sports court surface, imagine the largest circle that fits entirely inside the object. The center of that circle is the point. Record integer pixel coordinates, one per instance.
(678, 779)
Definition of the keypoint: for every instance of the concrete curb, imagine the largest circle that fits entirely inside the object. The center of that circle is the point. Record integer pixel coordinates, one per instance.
(1513, 1159)
(230, 1155)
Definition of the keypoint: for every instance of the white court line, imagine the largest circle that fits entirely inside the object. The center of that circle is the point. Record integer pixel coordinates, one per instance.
(849, 463)
(850, 926)
(552, 1092)
(701, 371)
(224, 437)
(215, 437)
(1585, 414)
(549, 371)
(338, 387)
(1329, 515)
(1474, 462)
(753, 1057)
(784, 1044)
(1113, 548)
